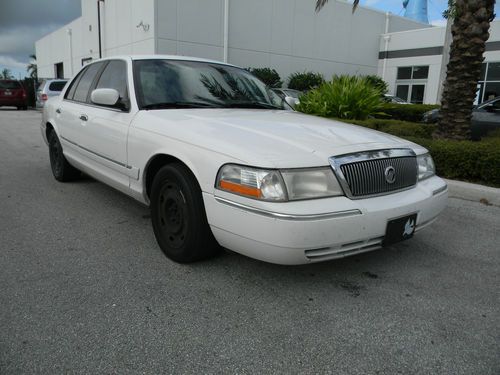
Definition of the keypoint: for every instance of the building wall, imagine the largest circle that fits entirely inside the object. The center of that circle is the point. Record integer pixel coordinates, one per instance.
(119, 35)
(424, 47)
(287, 35)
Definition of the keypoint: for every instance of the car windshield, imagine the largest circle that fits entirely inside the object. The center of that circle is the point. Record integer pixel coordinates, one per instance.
(10, 85)
(163, 84)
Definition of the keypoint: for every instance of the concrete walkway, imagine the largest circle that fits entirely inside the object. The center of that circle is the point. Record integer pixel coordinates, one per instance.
(474, 192)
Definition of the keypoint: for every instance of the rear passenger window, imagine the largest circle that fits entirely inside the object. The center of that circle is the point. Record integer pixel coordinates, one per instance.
(83, 86)
(114, 76)
(57, 86)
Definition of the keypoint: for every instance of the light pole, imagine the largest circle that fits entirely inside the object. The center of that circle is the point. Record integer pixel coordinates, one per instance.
(70, 35)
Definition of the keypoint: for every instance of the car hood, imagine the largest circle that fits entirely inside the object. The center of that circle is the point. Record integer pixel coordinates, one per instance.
(268, 138)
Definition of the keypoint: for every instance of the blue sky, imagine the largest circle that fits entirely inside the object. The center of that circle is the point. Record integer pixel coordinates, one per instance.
(434, 7)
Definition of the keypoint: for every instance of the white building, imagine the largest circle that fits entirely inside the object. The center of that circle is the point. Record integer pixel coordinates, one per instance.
(283, 34)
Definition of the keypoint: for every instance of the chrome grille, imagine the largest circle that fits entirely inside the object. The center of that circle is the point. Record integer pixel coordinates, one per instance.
(364, 174)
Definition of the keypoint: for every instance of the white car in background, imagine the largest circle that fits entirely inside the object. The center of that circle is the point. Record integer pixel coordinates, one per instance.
(47, 89)
(222, 161)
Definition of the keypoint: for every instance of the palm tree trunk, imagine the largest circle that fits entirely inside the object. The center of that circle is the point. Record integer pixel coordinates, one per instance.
(470, 32)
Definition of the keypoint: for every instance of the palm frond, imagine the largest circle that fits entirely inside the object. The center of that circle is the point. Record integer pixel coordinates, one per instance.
(321, 3)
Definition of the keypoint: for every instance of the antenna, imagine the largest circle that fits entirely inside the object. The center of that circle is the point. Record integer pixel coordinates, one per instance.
(416, 10)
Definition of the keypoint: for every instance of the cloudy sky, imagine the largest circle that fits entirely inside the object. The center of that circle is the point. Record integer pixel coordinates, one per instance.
(22, 22)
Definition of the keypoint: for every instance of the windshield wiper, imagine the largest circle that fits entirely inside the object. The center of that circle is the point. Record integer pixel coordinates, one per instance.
(249, 104)
(173, 105)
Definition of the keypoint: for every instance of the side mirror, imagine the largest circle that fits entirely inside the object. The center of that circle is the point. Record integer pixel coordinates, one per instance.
(107, 97)
(292, 102)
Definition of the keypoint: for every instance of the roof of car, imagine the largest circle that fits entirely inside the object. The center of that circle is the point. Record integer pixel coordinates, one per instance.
(163, 57)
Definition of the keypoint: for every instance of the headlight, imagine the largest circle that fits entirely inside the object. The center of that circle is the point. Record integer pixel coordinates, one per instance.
(311, 183)
(251, 182)
(280, 186)
(426, 166)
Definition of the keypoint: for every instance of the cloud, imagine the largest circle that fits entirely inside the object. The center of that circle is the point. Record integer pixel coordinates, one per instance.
(33, 13)
(11, 63)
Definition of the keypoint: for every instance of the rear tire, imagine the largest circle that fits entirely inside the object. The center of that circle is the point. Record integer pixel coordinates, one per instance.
(178, 216)
(61, 169)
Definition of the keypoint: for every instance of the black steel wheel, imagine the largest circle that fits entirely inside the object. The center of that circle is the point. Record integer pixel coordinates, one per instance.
(178, 216)
(61, 169)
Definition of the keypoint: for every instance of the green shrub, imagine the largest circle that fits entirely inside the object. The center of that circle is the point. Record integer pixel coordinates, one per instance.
(378, 83)
(399, 128)
(305, 81)
(267, 75)
(344, 97)
(461, 160)
(405, 112)
(465, 160)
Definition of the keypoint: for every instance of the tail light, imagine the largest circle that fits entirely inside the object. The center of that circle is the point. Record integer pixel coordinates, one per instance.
(24, 94)
(44, 97)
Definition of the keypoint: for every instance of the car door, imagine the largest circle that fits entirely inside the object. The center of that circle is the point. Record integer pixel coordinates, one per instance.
(70, 112)
(485, 118)
(106, 127)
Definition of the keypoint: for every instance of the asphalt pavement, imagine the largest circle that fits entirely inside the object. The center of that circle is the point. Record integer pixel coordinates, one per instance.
(84, 288)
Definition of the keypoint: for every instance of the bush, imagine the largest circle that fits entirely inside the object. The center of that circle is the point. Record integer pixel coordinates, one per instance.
(401, 129)
(465, 160)
(378, 83)
(405, 112)
(461, 160)
(305, 81)
(344, 97)
(267, 75)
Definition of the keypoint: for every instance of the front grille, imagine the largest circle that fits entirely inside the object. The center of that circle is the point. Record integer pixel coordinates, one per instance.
(367, 173)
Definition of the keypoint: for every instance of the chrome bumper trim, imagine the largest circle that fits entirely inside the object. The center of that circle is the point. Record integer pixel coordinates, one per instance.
(440, 190)
(277, 215)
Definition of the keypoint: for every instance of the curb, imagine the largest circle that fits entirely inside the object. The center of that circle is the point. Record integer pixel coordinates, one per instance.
(473, 192)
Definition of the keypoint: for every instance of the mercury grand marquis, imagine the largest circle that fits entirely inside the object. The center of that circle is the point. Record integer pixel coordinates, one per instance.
(223, 162)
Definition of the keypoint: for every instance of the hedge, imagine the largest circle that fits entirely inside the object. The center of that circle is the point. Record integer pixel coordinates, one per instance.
(399, 128)
(465, 160)
(460, 160)
(404, 112)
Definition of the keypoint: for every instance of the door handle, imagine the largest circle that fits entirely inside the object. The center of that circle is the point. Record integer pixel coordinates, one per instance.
(83, 117)
(58, 110)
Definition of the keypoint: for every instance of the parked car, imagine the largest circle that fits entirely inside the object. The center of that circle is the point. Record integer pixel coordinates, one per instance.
(292, 97)
(485, 118)
(47, 89)
(220, 163)
(393, 99)
(13, 94)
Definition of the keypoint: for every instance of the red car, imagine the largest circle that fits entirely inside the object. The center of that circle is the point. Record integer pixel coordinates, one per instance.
(12, 93)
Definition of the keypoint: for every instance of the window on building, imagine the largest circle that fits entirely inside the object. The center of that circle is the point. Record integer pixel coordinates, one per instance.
(489, 83)
(411, 82)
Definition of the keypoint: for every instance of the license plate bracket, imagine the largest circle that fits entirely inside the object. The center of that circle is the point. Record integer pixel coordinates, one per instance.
(400, 229)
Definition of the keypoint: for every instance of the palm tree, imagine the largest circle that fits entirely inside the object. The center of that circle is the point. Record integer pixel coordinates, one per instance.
(32, 68)
(470, 30)
(5, 74)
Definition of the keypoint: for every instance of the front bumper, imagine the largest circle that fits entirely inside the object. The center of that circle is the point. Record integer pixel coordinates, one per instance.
(317, 230)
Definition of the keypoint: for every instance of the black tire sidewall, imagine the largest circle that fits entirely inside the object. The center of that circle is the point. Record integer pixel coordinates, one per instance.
(199, 242)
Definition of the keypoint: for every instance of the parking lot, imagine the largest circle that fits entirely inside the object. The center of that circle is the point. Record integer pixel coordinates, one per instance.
(84, 288)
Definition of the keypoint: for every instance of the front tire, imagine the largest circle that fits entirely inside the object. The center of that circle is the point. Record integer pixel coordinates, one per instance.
(61, 169)
(178, 216)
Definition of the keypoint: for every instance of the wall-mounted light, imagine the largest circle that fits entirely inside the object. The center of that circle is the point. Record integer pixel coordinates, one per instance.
(145, 26)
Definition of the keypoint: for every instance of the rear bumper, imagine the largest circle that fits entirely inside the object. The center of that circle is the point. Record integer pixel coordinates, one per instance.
(14, 102)
(317, 230)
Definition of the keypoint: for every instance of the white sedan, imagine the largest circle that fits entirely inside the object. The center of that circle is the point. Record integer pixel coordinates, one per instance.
(222, 161)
